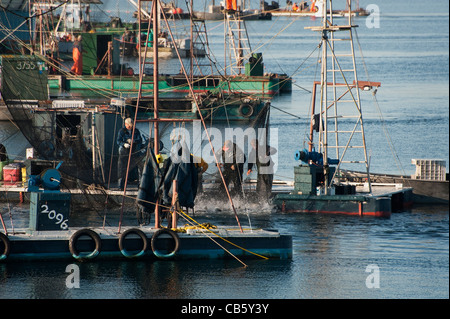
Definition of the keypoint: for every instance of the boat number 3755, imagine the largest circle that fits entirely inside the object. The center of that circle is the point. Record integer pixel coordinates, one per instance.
(58, 217)
(25, 65)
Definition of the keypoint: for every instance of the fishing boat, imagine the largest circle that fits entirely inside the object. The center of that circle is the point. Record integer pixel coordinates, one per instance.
(219, 12)
(315, 9)
(430, 182)
(168, 191)
(104, 77)
(318, 186)
(104, 80)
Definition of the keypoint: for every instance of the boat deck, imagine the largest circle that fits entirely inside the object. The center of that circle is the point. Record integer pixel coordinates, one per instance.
(16, 191)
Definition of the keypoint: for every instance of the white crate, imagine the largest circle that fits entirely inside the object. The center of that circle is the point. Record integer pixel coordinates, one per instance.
(30, 153)
(429, 169)
(71, 104)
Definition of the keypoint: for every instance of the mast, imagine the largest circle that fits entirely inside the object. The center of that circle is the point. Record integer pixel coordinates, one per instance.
(324, 98)
(338, 99)
(152, 24)
(155, 14)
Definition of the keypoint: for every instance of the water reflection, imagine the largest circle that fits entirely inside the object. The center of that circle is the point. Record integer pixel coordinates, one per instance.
(138, 279)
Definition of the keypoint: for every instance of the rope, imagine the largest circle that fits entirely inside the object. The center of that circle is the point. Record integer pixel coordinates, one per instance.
(204, 125)
(187, 217)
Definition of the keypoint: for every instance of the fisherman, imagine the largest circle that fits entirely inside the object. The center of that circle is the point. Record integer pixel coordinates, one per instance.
(231, 6)
(233, 159)
(77, 55)
(179, 167)
(179, 146)
(53, 56)
(260, 156)
(128, 144)
(127, 43)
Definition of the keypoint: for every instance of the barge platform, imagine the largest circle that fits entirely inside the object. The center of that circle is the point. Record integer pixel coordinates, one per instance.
(144, 243)
(381, 202)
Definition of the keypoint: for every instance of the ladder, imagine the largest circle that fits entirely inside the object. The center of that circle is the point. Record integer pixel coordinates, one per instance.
(145, 45)
(341, 133)
(238, 42)
(199, 42)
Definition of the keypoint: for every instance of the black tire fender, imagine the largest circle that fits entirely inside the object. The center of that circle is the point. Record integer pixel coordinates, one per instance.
(174, 237)
(73, 244)
(7, 244)
(246, 110)
(122, 238)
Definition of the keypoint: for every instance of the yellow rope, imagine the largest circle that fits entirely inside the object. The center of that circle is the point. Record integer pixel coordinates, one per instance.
(226, 240)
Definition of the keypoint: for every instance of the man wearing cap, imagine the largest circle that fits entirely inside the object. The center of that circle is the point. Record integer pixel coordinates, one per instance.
(125, 143)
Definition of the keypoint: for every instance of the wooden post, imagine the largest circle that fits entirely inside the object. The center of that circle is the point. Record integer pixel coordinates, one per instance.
(109, 68)
(174, 204)
(157, 225)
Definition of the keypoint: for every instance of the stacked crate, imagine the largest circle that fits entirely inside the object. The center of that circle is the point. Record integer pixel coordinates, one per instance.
(429, 169)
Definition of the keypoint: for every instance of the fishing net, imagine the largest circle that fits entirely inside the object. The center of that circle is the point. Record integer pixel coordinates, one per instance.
(68, 130)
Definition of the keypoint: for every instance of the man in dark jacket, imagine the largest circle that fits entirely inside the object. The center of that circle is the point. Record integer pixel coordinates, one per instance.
(233, 159)
(260, 156)
(126, 145)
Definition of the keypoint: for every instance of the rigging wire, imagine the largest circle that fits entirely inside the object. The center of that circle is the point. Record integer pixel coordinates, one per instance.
(383, 122)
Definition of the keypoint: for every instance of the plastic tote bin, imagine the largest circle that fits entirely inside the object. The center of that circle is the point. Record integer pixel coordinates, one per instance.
(12, 173)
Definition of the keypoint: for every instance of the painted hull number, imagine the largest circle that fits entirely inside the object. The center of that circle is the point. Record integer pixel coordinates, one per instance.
(57, 217)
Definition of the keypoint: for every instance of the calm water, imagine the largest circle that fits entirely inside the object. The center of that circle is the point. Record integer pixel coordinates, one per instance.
(409, 54)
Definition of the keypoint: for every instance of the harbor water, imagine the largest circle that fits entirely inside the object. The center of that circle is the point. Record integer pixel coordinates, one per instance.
(405, 256)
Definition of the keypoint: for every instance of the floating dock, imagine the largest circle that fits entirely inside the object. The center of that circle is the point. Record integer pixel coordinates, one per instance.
(50, 236)
(144, 243)
(383, 200)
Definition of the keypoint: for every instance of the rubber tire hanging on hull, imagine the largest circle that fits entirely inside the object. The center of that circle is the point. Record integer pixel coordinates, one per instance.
(135, 231)
(245, 110)
(174, 237)
(73, 244)
(7, 244)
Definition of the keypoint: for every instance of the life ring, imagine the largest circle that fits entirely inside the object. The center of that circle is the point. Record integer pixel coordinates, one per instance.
(74, 240)
(7, 244)
(245, 110)
(175, 238)
(135, 231)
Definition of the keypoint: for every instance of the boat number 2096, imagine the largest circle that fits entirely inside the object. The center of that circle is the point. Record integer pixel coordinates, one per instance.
(52, 215)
